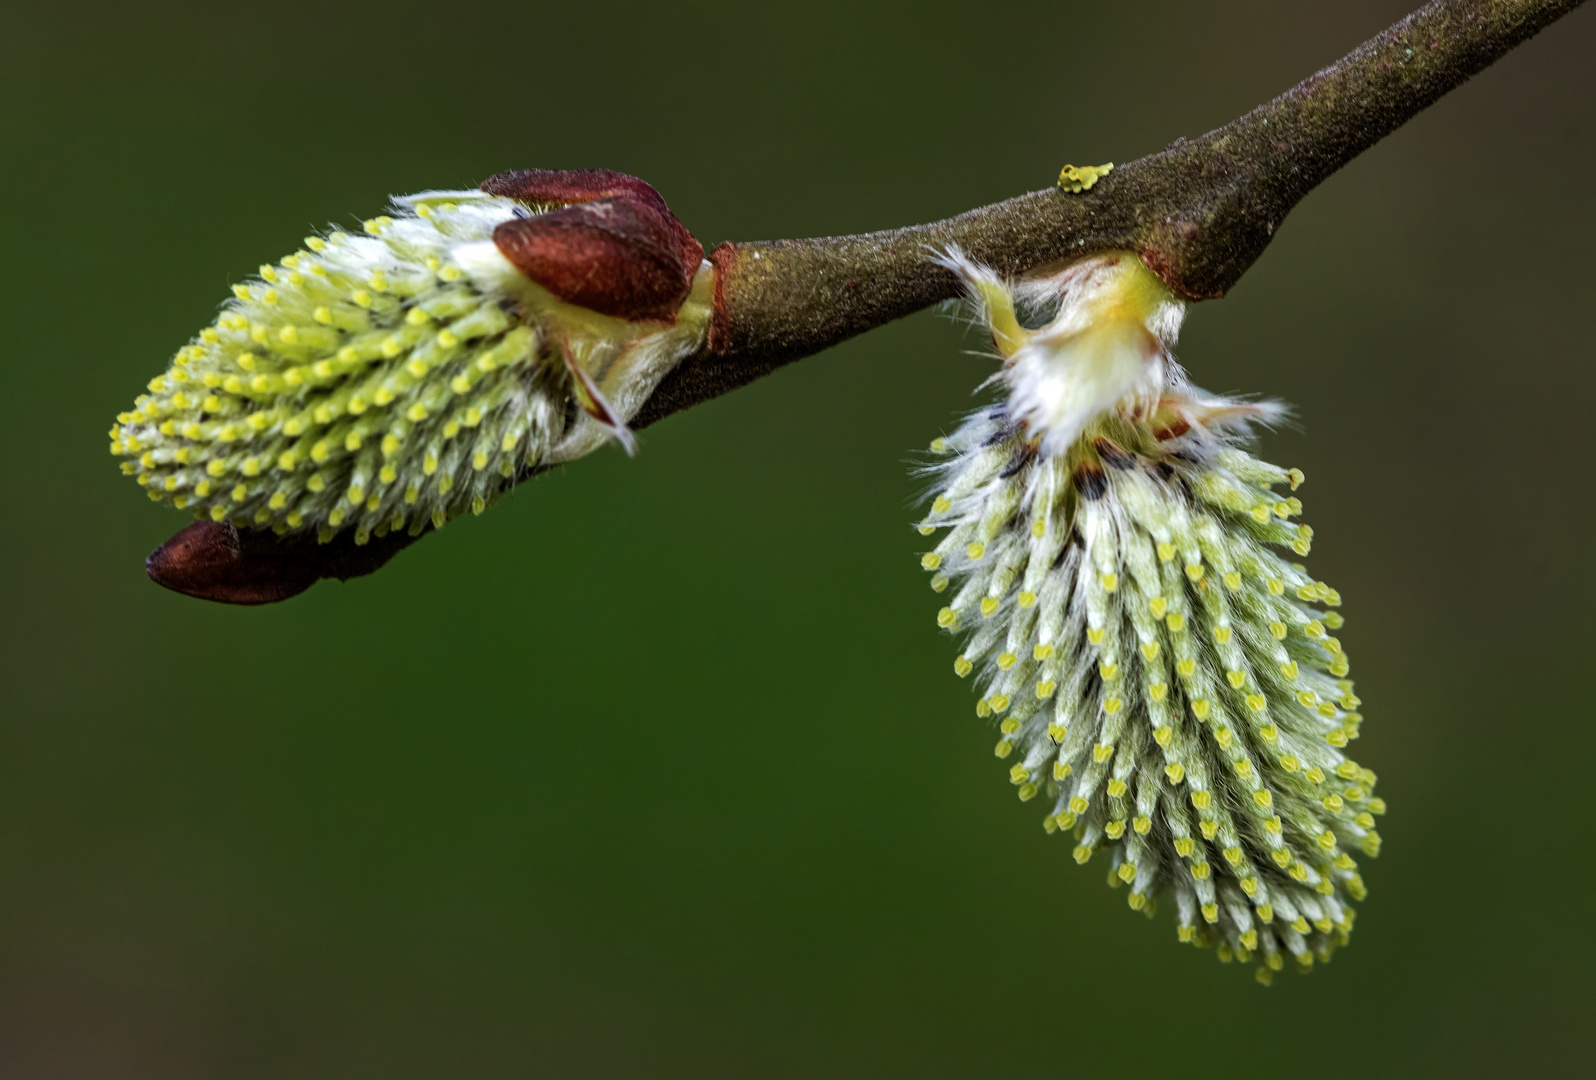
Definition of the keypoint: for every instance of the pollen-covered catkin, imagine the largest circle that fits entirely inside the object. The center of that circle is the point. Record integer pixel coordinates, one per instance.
(389, 379)
(1160, 675)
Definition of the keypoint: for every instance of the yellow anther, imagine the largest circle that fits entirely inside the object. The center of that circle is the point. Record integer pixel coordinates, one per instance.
(1082, 853)
(1260, 513)
(1166, 552)
(1112, 705)
(1110, 582)
(1003, 748)
(1235, 679)
(1201, 708)
(1162, 735)
(1009, 726)
(1027, 792)
(1298, 872)
(1150, 649)
(1256, 702)
(1077, 804)
(1210, 911)
(938, 583)
(999, 702)
(1269, 733)
(1201, 800)
(1018, 774)
(1194, 571)
(1101, 752)
(1233, 857)
(1060, 770)
(1026, 599)
(989, 606)
(1296, 478)
(946, 618)
(1039, 528)
(1175, 621)
(1244, 768)
(1127, 871)
(479, 460)
(1175, 772)
(1158, 691)
(415, 413)
(975, 551)
(1045, 689)
(1263, 798)
(1116, 787)
(1114, 829)
(1184, 846)
(1109, 672)
(1344, 861)
(1327, 840)
(1185, 668)
(1095, 636)
(941, 505)
(1157, 605)
(1065, 820)
(238, 493)
(962, 667)
(1186, 933)
(1222, 634)
(1042, 652)
(1249, 885)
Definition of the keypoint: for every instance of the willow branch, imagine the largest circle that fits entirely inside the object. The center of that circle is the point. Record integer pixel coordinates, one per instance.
(1199, 212)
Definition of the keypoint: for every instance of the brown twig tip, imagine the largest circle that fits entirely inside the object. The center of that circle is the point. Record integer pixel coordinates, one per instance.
(207, 560)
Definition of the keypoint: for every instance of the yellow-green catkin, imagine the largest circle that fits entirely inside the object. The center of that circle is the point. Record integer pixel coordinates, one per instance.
(1163, 672)
(384, 379)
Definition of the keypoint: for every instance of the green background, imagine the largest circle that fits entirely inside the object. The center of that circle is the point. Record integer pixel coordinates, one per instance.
(661, 769)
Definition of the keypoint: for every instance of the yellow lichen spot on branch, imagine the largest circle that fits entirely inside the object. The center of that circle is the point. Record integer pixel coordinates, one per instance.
(1076, 179)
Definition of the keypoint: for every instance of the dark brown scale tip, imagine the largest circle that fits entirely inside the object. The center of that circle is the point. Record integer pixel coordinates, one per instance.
(616, 247)
(1173, 431)
(1112, 455)
(214, 561)
(1090, 481)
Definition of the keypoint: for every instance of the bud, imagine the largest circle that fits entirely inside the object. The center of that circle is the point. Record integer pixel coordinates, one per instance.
(398, 377)
(1167, 681)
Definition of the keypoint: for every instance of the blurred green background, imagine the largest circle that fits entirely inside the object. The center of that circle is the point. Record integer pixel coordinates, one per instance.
(660, 770)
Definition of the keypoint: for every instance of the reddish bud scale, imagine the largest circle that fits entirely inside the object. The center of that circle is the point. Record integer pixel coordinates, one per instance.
(615, 248)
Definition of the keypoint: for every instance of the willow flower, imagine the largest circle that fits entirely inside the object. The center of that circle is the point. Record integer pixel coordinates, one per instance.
(1159, 673)
(400, 376)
